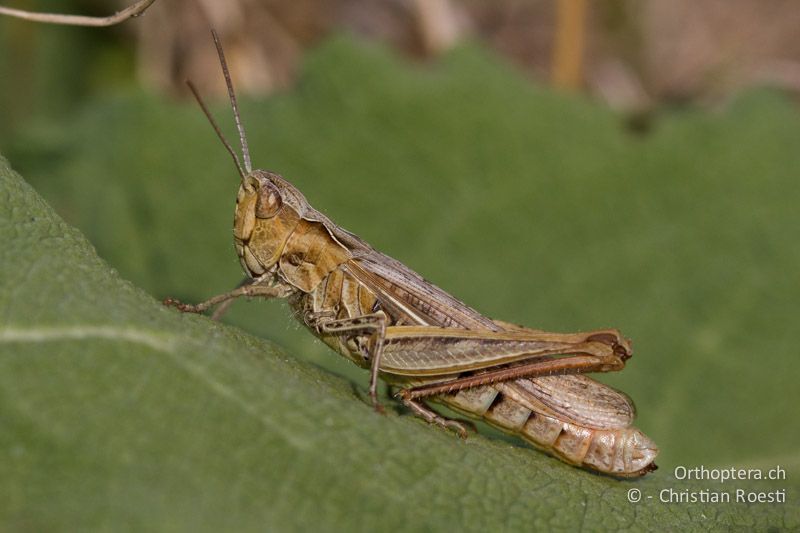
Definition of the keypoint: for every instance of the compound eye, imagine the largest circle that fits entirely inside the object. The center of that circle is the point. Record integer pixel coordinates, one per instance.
(269, 200)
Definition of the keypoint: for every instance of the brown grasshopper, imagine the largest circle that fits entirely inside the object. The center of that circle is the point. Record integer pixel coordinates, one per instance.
(383, 316)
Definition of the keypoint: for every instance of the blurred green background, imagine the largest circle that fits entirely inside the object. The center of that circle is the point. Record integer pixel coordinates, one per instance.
(533, 205)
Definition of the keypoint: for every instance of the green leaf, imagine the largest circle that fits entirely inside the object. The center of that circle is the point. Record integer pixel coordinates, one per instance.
(534, 207)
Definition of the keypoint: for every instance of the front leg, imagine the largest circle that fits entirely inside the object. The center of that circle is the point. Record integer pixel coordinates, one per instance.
(224, 306)
(373, 325)
(255, 287)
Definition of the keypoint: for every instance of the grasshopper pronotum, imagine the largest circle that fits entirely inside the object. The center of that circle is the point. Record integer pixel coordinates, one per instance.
(382, 316)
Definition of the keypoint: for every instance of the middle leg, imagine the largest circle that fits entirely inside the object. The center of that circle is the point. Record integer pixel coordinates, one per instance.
(372, 325)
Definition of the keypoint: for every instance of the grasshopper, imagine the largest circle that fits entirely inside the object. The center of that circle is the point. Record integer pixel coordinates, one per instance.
(383, 316)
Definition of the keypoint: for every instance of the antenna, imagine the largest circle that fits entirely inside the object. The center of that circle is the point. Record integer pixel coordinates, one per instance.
(216, 128)
(232, 95)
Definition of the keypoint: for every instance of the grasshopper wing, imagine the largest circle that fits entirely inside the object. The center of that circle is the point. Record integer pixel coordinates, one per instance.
(573, 398)
(411, 300)
(432, 333)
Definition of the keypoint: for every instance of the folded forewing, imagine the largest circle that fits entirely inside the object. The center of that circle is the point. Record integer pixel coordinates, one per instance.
(573, 398)
(410, 299)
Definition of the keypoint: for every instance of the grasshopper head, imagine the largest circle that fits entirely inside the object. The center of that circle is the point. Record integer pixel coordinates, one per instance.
(263, 220)
(259, 197)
